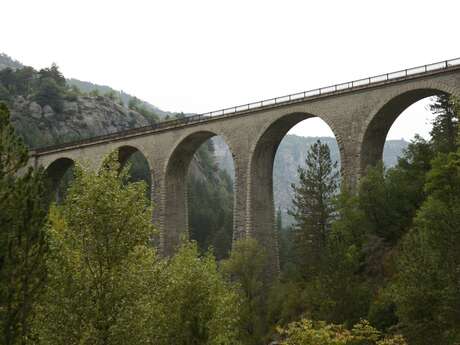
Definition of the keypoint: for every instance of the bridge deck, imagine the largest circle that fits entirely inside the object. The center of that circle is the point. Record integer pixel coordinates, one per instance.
(365, 83)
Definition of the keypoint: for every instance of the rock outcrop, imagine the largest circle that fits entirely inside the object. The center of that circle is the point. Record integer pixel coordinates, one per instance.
(81, 118)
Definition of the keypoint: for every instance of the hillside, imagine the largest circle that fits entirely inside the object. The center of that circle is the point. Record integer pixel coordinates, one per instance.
(89, 87)
(7, 62)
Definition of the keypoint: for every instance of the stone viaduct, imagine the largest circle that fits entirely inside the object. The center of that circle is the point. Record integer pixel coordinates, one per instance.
(360, 113)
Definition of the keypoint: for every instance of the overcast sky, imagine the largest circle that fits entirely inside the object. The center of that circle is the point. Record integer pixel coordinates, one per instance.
(196, 56)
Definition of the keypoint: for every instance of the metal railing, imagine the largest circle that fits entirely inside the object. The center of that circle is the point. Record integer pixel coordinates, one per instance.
(300, 96)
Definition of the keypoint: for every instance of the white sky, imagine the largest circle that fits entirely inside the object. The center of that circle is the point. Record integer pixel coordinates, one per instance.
(196, 56)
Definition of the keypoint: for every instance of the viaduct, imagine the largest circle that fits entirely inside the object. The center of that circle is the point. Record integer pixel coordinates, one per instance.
(360, 113)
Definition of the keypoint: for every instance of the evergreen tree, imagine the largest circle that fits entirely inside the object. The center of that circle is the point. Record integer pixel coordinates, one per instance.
(427, 285)
(445, 126)
(210, 203)
(4, 94)
(313, 205)
(23, 244)
(54, 74)
(8, 79)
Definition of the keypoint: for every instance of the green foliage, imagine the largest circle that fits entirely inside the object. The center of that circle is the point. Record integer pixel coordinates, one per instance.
(52, 73)
(308, 332)
(47, 86)
(210, 203)
(23, 242)
(313, 206)
(247, 266)
(196, 306)
(4, 94)
(136, 104)
(427, 289)
(101, 268)
(106, 284)
(49, 92)
(445, 126)
(329, 254)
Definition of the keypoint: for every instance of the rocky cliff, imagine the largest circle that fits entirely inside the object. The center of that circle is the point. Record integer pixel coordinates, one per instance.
(81, 118)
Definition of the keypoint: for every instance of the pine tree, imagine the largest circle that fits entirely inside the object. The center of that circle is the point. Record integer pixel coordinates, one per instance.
(445, 125)
(313, 204)
(23, 244)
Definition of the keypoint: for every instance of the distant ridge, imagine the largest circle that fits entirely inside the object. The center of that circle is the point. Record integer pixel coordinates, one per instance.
(8, 62)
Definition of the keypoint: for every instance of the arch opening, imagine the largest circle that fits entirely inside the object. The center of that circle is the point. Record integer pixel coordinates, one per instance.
(199, 194)
(392, 127)
(58, 178)
(279, 151)
(139, 168)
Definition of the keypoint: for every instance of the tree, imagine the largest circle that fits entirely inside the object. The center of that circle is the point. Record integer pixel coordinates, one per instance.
(210, 203)
(313, 205)
(4, 94)
(23, 241)
(49, 92)
(25, 79)
(427, 289)
(247, 266)
(445, 126)
(54, 74)
(102, 266)
(308, 332)
(8, 79)
(106, 284)
(340, 292)
(195, 305)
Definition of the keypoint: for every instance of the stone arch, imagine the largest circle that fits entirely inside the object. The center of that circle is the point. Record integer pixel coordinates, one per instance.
(54, 173)
(124, 153)
(140, 170)
(260, 197)
(174, 217)
(380, 120)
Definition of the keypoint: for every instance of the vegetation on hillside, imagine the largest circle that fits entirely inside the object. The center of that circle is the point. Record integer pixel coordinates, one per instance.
(48, 87)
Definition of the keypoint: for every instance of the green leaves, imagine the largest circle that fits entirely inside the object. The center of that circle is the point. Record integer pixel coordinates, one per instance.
(107, 285)
(23, 241)
(102, 263)
(308, 332)
(196, 305)
(427, 289)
